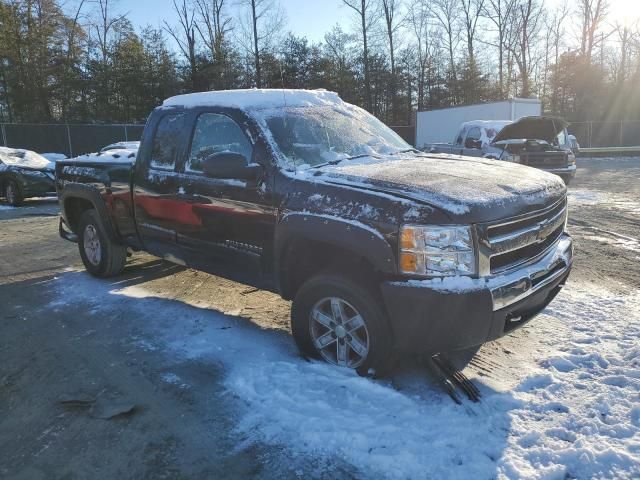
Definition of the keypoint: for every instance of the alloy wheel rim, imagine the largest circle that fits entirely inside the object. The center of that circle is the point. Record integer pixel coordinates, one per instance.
(339, 332)
(10, 194)
(91, 243)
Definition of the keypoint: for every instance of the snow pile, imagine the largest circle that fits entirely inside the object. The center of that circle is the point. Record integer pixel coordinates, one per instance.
(24, 158)
(110, 156)
(251, 99)
(574, 414)
(606, 200)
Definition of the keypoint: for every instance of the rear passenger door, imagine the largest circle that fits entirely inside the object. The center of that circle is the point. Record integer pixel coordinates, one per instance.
(233, 219)
(157, 209)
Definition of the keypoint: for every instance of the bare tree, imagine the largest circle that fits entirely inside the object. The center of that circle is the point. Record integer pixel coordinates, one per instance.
(185, 36)
(500, 13)
(391, 9)
(447, 12)
(214, 26)
(104, 26)
(364, 9)
(593, 14)
(264, 22)
(472, 12)
(527, 21)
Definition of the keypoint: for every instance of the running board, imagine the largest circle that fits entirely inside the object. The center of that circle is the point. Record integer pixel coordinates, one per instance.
(452, 379)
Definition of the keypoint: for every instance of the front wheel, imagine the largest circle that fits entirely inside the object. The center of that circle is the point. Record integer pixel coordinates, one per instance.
(12, 193)
(340, 321)
(102, 257)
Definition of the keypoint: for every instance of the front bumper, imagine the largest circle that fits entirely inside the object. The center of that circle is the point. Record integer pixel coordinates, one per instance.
(431, 316)
(568, 172)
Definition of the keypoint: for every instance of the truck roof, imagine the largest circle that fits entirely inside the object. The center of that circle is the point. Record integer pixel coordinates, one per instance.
(253, 99)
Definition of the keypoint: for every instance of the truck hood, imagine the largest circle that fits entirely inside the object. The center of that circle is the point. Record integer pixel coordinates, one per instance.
(466, 189)
(532, 128)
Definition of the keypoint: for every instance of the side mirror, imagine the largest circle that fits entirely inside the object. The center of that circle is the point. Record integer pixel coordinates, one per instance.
(472, 143)
(230, 165)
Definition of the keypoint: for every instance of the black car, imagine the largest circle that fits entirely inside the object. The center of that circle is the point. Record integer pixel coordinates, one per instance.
(25, 174)
(382, 248)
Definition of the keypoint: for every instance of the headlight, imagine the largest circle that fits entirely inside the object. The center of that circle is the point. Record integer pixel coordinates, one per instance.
(571, 159)
(436, 251)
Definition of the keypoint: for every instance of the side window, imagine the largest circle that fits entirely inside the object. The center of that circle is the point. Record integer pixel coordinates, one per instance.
(166, 141)
(474, 133)
(216, 133)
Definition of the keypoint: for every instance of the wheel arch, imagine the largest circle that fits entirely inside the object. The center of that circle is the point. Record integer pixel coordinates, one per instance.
(78, 198)
(306, 244)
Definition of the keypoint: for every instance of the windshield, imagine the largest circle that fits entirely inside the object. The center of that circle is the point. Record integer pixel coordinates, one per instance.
(312, 136)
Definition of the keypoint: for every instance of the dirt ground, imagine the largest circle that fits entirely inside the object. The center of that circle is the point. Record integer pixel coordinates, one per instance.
(83, 396)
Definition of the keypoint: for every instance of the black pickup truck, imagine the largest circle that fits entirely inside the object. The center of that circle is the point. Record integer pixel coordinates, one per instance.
(382, 248)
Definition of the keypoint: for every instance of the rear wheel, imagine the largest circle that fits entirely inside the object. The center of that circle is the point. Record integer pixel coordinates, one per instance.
(102, 257)
(336, 319)
(12, 193)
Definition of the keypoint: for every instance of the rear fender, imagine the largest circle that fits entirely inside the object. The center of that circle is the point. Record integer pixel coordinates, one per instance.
(92, 195)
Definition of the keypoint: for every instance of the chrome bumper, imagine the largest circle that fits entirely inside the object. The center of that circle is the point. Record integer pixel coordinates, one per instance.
(513, 287)
(570, 170)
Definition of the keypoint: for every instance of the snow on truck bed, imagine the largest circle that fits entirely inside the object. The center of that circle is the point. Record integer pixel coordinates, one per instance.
(110, 156)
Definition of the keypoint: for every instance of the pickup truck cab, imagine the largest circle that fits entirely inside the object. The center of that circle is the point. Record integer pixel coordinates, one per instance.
(382, 248)
(540, 142)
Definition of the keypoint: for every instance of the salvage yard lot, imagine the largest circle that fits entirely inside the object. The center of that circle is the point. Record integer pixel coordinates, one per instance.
(165, 372)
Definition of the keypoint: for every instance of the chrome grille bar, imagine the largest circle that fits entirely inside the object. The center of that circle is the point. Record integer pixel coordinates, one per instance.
(499, 240)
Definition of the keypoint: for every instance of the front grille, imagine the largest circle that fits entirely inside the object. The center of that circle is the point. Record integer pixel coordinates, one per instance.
(545, 159)
(510, 243)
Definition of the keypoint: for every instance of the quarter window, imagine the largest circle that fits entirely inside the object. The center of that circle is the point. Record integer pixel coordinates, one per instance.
(215, 133)
(166, 141)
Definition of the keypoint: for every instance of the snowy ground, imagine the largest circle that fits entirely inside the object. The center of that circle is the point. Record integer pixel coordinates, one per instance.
(573, 413)
(221, 384)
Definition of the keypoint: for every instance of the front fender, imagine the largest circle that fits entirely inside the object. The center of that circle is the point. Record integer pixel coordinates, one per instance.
(352, 236)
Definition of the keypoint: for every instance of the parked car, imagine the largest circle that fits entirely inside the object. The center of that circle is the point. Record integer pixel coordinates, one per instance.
(382, 248)
(540, 142)
(121, 146)
(24, 174)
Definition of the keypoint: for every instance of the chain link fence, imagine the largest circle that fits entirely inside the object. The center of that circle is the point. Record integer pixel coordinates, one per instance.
(72, 140)
(606, 134)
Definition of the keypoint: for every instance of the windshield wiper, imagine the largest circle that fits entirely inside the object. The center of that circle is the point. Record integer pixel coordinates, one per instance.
(406, 151)
(338, 160)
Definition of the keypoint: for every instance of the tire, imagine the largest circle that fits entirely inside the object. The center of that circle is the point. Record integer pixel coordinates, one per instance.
(102, 257)
(319, 295)
(12, 193)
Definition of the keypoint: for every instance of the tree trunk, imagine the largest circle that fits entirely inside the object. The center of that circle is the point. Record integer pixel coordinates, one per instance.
(256, 51)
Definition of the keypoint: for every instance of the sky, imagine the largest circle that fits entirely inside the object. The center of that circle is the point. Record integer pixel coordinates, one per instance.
(310, 18)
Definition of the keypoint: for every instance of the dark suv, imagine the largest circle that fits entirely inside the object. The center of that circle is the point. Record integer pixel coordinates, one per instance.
(382, 248)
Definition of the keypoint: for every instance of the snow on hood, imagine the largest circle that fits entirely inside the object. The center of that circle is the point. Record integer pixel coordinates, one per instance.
(122, 146)
(251, 99)
(24, 158)
(532, 128)
(457, 185)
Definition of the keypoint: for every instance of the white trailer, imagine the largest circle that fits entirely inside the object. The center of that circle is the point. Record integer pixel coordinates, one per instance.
(439, 126)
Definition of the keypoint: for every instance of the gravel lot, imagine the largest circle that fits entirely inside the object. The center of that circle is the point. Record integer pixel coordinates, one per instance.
(146, 375)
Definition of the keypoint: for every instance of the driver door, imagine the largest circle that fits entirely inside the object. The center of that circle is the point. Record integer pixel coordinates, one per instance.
(473, 143)
(229, 218)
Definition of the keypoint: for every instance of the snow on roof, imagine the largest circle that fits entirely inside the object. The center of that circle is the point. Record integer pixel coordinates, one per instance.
(251, 99)
(495, 124)
(24, 158)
